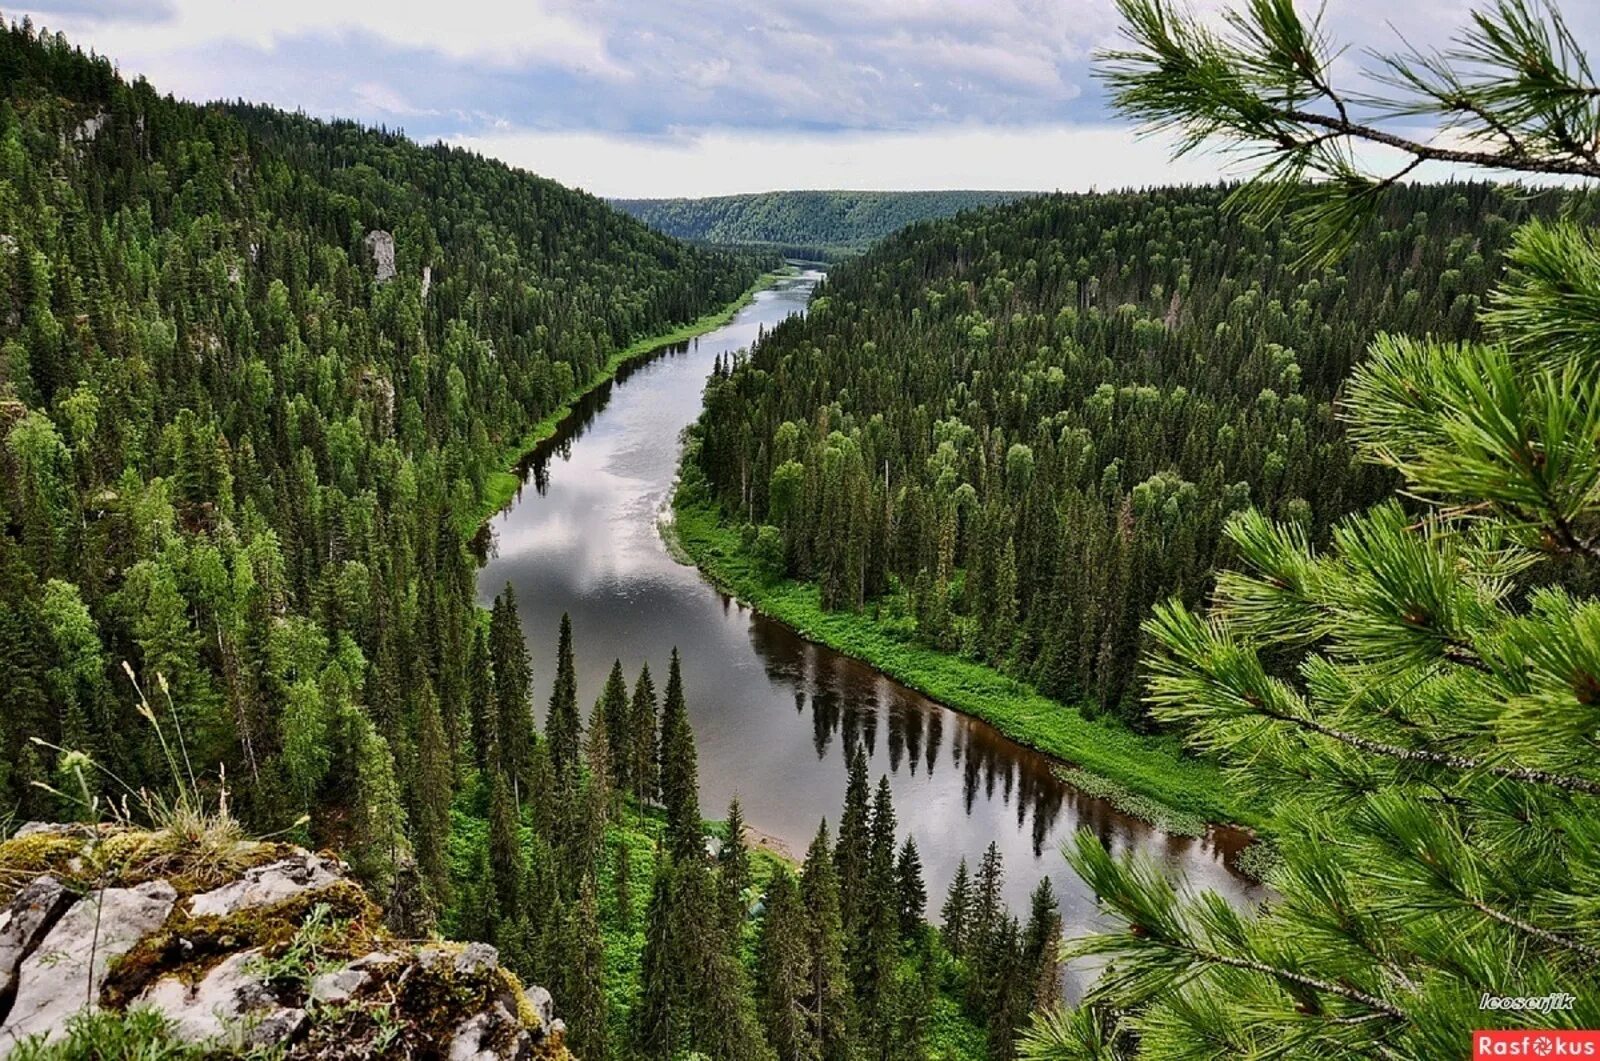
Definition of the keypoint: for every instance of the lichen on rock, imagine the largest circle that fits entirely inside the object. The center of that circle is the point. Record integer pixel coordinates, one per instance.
(287, 951)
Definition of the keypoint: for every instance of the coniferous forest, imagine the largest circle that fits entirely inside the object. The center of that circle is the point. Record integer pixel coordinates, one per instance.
(1261, 518)
(1009, 434)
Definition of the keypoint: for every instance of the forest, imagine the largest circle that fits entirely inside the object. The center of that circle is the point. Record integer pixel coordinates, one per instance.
(1008, 434)
(816, 226)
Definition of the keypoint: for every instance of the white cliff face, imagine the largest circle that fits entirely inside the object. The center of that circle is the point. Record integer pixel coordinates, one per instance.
(380, 247)
(219, 960)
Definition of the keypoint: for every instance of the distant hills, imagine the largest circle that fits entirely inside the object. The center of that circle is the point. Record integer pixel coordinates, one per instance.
(804, 224)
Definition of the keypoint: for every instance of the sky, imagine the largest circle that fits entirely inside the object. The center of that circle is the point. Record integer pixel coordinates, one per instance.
(705, 97)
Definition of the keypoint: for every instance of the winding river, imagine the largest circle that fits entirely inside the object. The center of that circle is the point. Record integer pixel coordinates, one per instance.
(774, 714)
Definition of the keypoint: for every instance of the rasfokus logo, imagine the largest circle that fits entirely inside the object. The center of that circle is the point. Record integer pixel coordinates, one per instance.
(1534, 1043)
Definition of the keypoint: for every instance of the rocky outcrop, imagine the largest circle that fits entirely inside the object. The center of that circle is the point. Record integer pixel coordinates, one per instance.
(239, 947)
(380, 247)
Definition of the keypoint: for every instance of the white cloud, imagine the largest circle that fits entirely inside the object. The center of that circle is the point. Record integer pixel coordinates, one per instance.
(724, 162)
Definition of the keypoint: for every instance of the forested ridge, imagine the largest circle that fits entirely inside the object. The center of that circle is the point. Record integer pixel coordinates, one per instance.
(820, 225)
(240, 442)
(1008, 434)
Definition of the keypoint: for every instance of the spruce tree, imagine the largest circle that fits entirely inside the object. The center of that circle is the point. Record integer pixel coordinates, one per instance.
(657, 1020)
(733, 872)
(827, 1002)
(641, 738)
(505, 850)
(875, 954)
(852, 855)
(782, 979)
(911, 892)
(614, 706)
(679, 772)
(431, 820)
(1411, 703)
(484, 714)
(956, 914)
(988, 905)
(581, 958)
(601, 777)
(513, 678)
(1041, 945)
(562, 725)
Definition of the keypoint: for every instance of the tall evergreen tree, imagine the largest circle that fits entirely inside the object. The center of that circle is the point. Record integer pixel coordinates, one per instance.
(433, 794)
(641, 738)
(679, 771)
(828, 1006)
(484, 713)
(614, 706)
(956, 914)
(562, 725)
(505, 848)
(852, 855)
(782, 979)
(911, 892)
(513, 679)
(733, 872)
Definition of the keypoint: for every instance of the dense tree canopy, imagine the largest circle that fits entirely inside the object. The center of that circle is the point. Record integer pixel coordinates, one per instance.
(814, 225)
(1021, 427)
(256, 375)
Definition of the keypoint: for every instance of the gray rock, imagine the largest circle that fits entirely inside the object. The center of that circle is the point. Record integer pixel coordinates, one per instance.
(339, 986)
(69, 965)
(380, 246)
(265, 885)
(31, 914)
(539, 998)
(378, 959)
(476, 959)
(477, 1037)
(427, 280)
(225, 996)
(275, 1028)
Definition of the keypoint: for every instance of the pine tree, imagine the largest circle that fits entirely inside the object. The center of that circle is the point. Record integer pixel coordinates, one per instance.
(875, 956)
(784, 966)
(827, 1001)
(562, 724)
(957, 912)
(988, 905)
(1404, 703)
(912, 893)
(601, 778)
(431, 821)
(679, 771)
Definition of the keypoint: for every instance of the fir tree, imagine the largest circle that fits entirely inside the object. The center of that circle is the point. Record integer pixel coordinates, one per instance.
(562, 726)
(827, 1001)
(641, 738)
(505, 849)
(956, 914)
(912, 893)
(679, 771)
(433, 793)
(613, 706)
(484, 714)
(733, 872)
(1041, 945)
(657, 1022)
(513, 677)
(852, 855)
(784, 965)
(580, 960)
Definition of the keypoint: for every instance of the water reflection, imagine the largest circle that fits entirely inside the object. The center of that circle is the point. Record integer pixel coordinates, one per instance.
(776, 717)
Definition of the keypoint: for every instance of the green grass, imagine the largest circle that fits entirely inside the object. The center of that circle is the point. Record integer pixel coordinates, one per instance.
(501, 486)
(1155, 768)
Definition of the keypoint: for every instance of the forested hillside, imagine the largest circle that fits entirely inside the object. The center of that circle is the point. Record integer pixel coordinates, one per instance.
(256, 372)
(814, 225)
(1009, 433)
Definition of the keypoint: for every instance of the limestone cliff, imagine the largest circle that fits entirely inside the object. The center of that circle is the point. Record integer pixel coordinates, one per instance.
(241, 945)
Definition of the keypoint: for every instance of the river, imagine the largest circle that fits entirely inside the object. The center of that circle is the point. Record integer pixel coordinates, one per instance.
(774, 714)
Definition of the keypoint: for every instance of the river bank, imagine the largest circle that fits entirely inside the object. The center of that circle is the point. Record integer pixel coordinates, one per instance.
(1149, 768)
(503, 484)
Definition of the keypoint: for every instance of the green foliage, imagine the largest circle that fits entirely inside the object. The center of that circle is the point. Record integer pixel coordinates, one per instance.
(137, 1035)
(1022, 427)
(804, 224)
(1414, 701)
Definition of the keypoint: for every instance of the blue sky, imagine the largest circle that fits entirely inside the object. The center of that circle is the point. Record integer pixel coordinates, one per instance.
(679, 97)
